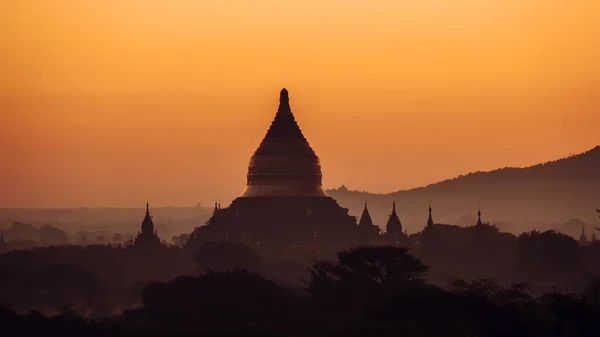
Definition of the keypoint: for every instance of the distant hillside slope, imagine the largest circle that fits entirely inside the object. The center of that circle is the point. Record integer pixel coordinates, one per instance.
(168, 220)
(540, 196)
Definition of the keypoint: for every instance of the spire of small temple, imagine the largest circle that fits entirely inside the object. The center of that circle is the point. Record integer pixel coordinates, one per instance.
(147, 236)
(430, 219)
(394, 226)
(583, 238)
(2, 243)
(147, 224)
(479, 223)
(365, 218)
(214, 214)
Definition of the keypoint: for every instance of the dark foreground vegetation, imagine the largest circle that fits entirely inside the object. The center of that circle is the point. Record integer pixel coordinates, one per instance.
(365, 291)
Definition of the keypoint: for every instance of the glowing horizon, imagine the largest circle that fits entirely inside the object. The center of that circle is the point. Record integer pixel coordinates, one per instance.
(115, 103)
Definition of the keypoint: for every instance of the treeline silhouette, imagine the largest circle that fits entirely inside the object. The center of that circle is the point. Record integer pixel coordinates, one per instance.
(363, 291)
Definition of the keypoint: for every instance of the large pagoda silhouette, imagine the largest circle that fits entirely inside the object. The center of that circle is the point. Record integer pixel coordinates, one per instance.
(284, 202)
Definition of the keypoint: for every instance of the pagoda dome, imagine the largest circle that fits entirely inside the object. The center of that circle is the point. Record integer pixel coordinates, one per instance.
(284, 165)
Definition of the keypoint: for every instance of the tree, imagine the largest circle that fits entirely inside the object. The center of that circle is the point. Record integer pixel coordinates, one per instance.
(489, 290)
(365, 269)
(226, 256)
(61, 285)
(547, 255)
(233, 298)
(50, 236)
(180, 240)
(82, 239)
(118, 238)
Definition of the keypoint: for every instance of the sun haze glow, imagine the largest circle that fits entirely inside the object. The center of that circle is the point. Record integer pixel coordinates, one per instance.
(113, 103)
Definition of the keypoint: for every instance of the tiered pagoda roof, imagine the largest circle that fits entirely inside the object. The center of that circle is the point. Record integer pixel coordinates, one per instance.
(284, 165)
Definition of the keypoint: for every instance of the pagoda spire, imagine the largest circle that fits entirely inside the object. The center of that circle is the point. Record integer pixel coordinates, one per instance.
(284, 126)
(147, 236)
(2, 243)
(394, 213)
(583, 240)
(365, 218)
(479, 223)
(284, 102)
(215, 209)
(147, 224)
(394, 226)
(430, 219)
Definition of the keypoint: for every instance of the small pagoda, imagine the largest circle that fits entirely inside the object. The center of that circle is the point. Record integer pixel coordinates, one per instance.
(147, 237)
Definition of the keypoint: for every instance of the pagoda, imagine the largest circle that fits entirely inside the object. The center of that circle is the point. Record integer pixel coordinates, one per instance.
(430, 219)
(284, 202)
(147, 237)
(393, 227)
(366, 227)
(479, 222)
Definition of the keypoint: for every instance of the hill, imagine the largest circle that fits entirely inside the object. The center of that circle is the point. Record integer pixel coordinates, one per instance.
(542, 196)
(169, 221)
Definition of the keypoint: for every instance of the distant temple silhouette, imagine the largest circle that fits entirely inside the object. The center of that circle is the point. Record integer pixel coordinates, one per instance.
(393, 227)
(583, 240)
(430, 219)
(3, 248)
(367, 228)
(479, 223)
(147, 237)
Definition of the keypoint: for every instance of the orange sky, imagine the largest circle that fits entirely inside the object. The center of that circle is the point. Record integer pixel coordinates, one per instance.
(113, 103)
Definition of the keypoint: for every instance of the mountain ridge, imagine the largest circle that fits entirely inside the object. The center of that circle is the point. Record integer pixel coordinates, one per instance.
(547, 193)
(595, 151)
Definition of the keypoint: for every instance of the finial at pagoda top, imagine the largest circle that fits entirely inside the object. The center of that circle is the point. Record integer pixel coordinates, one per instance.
(147, 207)
(283, 95)
(284, 102)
